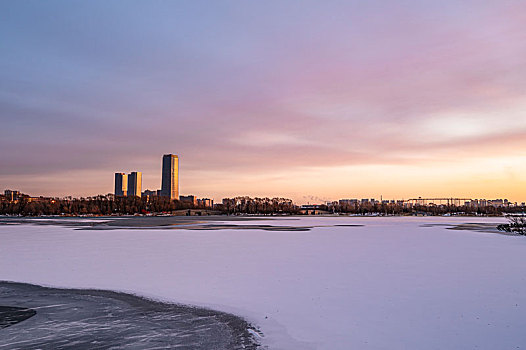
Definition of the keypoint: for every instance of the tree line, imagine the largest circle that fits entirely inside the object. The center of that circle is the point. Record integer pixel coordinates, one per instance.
(108, 205)
(264, 206)
(98, 205)
(397, 209)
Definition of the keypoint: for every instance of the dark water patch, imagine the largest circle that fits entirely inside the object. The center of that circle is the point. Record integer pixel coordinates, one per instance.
(250, 227)
(95, 319)
(210, 223)
(10, 315)
(487, 227)
(130, 222)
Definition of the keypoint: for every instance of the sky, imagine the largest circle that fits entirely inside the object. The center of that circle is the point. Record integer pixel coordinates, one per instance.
(309, 100)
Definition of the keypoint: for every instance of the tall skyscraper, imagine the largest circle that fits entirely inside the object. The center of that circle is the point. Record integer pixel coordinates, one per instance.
(135, 184)
(121, 184)
(170, 176)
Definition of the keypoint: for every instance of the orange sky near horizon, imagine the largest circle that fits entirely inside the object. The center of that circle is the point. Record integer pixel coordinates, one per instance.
(490, 179)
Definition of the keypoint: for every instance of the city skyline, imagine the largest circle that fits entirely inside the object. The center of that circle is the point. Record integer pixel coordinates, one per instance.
(398, 100)
(131, 184)
(124, 181)
(121, 190)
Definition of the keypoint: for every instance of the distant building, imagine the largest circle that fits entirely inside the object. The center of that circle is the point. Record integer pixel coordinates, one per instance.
(497, 203)
(150, 193)
(121, 184)
(11, 195)
(206, 202)
(135, 184)
(343, 202)
(479, 203)
(188, 199)
(312, 209)
(170, 176)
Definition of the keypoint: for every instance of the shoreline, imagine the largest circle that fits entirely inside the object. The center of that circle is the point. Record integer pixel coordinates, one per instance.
(101, 319)
(214, 223)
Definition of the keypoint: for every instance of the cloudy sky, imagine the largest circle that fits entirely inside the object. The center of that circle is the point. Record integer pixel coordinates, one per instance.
(311, 100)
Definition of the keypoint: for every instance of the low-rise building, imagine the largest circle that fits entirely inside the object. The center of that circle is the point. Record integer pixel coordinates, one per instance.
(352, 202)
(188, 199)
(313, 209)
(205, 202)
(150, 193)
(12, 195)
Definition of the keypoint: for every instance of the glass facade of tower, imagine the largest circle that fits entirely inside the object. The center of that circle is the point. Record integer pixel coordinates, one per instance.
(170, 176)
(135, 184)
(121, 184)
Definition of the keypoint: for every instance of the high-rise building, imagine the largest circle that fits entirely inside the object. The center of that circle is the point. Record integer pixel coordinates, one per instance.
(135, 184)
(121, 184)
(170, 176)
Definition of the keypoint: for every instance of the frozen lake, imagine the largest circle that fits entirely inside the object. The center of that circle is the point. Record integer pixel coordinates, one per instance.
(393, 283)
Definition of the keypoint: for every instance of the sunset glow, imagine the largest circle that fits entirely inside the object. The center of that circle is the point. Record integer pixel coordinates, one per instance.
(308, 100)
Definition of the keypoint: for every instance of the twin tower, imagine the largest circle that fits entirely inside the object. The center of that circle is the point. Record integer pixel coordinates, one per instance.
(131, 185)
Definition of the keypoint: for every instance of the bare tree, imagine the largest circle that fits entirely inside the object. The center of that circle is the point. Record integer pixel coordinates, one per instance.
(516, 224)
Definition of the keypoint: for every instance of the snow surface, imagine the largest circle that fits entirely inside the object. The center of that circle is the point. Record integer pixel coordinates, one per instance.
(391, 284)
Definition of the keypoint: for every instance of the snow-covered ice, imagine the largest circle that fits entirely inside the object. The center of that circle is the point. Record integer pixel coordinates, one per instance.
(391, 284)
